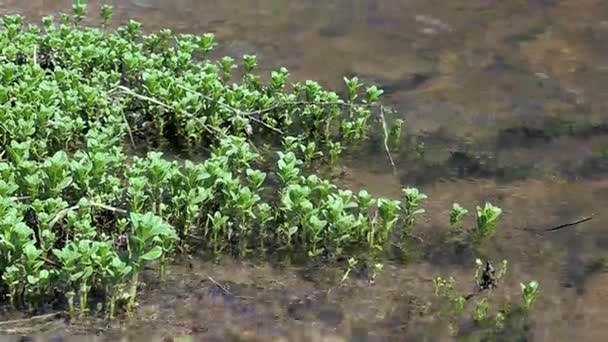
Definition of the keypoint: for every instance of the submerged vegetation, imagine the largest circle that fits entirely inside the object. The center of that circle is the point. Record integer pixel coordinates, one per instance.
(83, 207)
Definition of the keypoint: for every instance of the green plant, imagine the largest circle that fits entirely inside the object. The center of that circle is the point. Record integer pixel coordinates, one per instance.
(84, 116)
(388, 211)
(481, 310)
(530, 293)
(487, 218)
(394, 134)
(411, 207)
(444, 289)
(148, 241)
(456, 216)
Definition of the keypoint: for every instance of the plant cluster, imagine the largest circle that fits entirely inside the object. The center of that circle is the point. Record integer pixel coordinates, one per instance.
(486, 220)
(454, 306)
(81, 213)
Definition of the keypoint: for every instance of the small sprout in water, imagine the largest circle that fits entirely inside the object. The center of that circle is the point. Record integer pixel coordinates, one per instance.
(206, 42)
(530, 293)
(352, 87)
(106, 15)
(499, 320)
(486, 220)
(481, 310)
(226, 66)
(250, 62)
(335, 149)
(80, 10)
(456, 216)
(444, 288)
(373, 94)
(420, 150)
(394, 135)
(411, 199)
(310, 152)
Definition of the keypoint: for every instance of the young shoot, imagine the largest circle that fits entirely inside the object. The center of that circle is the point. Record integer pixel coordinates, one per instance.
(481, 310)
(411, 207)
(394, 134)
(456, 216)
(487, 218)
(530, 293)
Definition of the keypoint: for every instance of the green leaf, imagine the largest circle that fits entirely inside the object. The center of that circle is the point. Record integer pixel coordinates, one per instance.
(153, 254)
(76, 276)
(32, 280)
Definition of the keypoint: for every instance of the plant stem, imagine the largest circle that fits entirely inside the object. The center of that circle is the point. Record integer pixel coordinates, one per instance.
(83, 300)
(71, 306)
(112, 305)
(134, 283)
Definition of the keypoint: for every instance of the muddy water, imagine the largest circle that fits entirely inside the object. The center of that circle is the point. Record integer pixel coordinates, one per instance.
(508, 99)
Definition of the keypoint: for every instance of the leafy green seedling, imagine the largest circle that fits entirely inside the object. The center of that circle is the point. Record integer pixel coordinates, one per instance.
(146, 243)
(394, 134)
(310, 152)
(106, 14)
(530, 293)
(456, 216)
(388, 210)
(411, 199)
(487, 218)
(481, 310)
(335, 149)
(288, 171)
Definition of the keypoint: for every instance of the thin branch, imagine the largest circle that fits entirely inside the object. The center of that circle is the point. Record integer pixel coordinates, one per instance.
(219, 285)
(386, 148)
(33, 319)
(110, 208)
(124, 117)
(562, 226)
(61, 214)
(19, 198)
(232, 109)
(306, 103)
(50, 262)
(166, 106)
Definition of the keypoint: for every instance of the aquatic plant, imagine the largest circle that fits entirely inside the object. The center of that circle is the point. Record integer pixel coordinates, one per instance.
(89, 194)
(530, 293)
(456, 216)
(487, 218)
(394, 135)
(455, 306)
(411, 207)
(480, 313)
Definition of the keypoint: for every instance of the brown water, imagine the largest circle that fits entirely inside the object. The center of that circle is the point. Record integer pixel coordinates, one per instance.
(509, 99)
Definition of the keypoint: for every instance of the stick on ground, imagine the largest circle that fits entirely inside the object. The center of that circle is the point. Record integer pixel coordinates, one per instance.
(566, 225)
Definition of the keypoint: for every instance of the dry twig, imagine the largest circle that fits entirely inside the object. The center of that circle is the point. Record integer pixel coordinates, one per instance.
(232, 109)
(61, 214)
(386, 148)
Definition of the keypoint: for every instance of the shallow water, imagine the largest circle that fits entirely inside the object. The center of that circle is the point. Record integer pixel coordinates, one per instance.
(509, 100)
